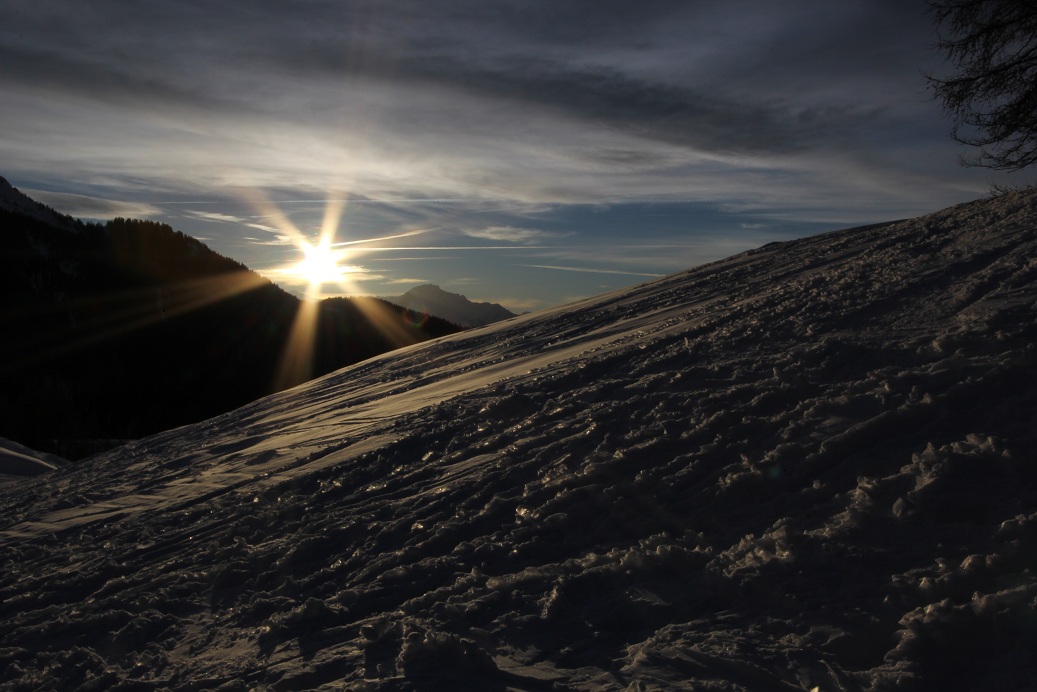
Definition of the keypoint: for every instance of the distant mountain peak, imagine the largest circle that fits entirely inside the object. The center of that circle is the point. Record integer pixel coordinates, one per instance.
(432, 290)
(453, 307)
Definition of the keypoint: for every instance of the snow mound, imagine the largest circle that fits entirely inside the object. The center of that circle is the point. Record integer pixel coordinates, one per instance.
(18, 461)
(808, 466)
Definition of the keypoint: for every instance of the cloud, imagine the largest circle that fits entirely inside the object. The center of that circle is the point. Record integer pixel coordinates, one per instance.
(590, 270)
(362, 241)
(87, 207)
(490, 120)
(519, 305)
(217, 217)
(244, 221)
(282, 241)
(607, 98)
(511, 234)
(443, 102)
(408, 280)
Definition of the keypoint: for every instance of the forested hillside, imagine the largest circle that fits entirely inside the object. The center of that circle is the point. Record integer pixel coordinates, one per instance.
(117, 330)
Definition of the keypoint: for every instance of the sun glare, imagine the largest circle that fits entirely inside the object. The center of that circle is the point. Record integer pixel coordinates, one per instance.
(320, 264)
(324, 264)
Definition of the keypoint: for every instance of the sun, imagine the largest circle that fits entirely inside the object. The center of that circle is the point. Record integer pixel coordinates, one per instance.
(320, 264)
(317, 265)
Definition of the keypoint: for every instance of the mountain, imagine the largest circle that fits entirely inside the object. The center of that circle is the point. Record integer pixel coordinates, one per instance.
(808, 466)
(429, 299)
(11, 199)
(124, 329)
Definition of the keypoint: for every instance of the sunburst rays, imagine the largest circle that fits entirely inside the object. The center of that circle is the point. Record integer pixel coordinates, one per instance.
(321, 264)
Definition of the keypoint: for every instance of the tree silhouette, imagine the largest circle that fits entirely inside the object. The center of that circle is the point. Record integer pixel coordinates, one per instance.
(992, 95)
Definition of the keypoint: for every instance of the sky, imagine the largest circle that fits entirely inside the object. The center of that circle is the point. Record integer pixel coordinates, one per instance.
(529, 153)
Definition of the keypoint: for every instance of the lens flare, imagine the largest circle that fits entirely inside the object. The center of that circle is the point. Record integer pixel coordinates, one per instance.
(320, 265)
(415, 317)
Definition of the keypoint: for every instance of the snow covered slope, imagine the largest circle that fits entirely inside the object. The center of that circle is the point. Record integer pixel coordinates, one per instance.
(18, 461)
(808, 466)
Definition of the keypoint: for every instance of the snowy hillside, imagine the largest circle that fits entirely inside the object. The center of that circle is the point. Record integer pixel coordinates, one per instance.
(18, 461)
(810, 466)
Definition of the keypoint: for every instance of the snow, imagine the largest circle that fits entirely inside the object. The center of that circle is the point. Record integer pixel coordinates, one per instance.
(18, 461)
(809, 466)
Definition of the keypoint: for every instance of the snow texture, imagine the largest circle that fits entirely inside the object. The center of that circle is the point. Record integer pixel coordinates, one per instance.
(808, 466)
(18, 461)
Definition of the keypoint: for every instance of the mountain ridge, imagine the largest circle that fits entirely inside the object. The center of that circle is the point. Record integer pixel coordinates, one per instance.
(13, 199)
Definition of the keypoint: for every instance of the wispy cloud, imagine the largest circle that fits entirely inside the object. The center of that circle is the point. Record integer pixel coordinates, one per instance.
(280, 241)
(511, 234)
(498, 128)
(407, 234)
(407, 280)
(519, 305)
(589, 270)
(245, 221)
(449, 247)
(86, 207)
(217, 217)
